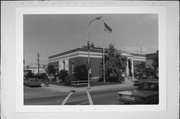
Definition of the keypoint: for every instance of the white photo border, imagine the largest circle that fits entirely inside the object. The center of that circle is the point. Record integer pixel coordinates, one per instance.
(20, 107)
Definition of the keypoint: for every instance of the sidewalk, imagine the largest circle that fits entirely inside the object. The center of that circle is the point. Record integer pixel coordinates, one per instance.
(82, 89)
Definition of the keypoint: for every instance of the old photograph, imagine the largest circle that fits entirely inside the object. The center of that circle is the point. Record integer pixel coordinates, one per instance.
(90, 59)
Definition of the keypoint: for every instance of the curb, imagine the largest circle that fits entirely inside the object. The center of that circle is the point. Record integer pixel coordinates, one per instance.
(84, 89)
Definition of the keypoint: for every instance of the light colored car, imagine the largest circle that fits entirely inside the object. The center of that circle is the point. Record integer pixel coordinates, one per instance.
(146, 93)
(33, 82)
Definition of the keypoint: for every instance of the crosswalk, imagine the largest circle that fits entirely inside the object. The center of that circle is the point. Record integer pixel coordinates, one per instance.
(75, 98)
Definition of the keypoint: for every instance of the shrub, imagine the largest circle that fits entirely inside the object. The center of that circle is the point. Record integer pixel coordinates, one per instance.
(68, 79)
(100, 78)
(114, 78)
(29, 74)
(63, 74)
(51, 69)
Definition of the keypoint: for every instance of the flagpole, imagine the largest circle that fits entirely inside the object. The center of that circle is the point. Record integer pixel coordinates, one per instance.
(88, 45)
(106, 28)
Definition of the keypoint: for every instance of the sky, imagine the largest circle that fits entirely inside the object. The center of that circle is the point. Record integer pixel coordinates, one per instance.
(53, 34)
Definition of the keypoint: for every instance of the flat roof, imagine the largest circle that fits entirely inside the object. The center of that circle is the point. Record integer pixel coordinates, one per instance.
(98, 50)
(95, 49)
(138, 54)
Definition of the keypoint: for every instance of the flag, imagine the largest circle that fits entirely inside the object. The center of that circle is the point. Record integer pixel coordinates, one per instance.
(107, 28)
(97, 18)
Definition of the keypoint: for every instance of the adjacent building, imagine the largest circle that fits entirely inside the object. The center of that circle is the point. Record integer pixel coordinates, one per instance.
(34, 68)
(151, 58)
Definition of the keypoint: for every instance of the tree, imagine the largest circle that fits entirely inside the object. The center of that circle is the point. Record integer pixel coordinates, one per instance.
(115, 64)
(139, 70)
(69, 78)
(51, 69)
(155, 61)
(156, 65)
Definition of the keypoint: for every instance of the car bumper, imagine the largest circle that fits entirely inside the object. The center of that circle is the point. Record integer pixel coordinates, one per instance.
(126, 101)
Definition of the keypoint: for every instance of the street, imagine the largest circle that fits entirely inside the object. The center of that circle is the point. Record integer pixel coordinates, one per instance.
(44, 96)
(78, 98)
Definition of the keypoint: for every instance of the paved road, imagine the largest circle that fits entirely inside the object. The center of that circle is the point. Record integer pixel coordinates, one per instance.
(107, 97)
(53, 100)
(40, 96)
(78, 98)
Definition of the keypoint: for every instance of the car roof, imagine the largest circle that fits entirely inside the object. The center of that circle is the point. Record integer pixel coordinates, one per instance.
(143, 93)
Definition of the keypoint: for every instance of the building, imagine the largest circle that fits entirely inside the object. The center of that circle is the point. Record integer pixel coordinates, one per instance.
(34, 68)
(69, 59)
(151, 58)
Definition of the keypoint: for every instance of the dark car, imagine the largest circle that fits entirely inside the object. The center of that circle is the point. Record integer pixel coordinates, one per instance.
(146, 93)
(33, 82)
(25, 81)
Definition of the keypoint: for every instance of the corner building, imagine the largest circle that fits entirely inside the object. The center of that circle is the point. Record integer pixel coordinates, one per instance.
(79, 56)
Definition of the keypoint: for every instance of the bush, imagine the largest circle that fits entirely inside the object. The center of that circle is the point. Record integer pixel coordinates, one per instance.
(100, 79)
(69, 78)
(29, 74)
(63, 74)
(81, 72)
(51, 69)
(112, 79)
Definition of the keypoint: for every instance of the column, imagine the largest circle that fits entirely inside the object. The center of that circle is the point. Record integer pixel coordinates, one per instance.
(60, 65)
(127, 67)
(72, 68)
(132, 67)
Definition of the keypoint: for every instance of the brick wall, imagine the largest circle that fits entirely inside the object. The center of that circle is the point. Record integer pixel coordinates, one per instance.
(95, 64)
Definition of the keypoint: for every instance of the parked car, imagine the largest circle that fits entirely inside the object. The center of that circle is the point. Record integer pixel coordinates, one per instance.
(25, 81)
(146, 93)
(33, 82)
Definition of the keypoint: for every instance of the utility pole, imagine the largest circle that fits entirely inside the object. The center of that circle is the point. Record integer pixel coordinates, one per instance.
(103, 56)
(141, 45)
(24, 64)
(141, 62)
(38, 55)
(141, 49)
